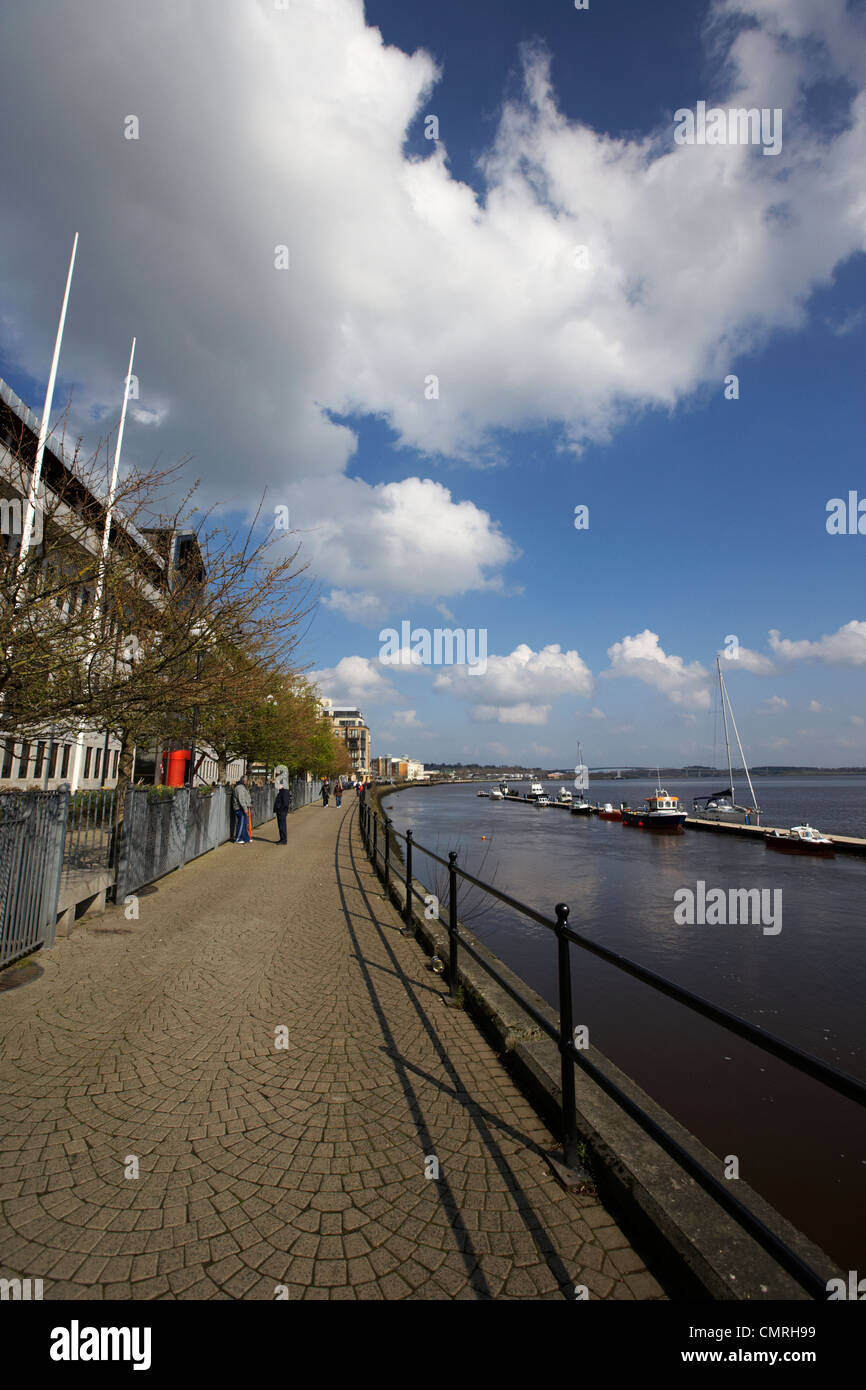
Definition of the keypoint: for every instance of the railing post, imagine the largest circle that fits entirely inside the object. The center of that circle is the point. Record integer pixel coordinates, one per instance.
(387, 852)
(566, 1039)
(375, 838)
(407, 910)
(452, 921)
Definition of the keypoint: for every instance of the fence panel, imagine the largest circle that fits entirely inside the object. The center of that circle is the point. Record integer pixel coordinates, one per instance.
(32, 831)
(209, 822)
(153, 840)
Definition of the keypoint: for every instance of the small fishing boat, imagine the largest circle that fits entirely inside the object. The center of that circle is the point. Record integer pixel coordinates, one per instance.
(609, 812)
(535, 791)
(800, 839)
(581, 807)
(543, 800)
(496, 795)
(661, 812)
(564, 798)
(482, 793)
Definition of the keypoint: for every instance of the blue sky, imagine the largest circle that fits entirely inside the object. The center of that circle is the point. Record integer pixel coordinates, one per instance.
(559, 384)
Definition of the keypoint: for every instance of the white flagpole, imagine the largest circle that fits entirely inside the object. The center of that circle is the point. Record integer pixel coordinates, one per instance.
(36, 475)
(106, 536)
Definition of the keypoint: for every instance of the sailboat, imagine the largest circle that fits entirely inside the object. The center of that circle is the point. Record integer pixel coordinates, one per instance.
(580, 806)
(721, 806)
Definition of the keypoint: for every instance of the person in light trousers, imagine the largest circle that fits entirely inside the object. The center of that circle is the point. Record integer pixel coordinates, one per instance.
(242, 804)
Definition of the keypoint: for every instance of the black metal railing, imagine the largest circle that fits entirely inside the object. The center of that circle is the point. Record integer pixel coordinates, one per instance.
(32, 829)
(563, 1036)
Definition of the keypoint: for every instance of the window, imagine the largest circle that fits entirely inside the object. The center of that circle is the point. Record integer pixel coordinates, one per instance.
(39, 759)
(64, 766)
(55, 752)
(97, 763)
(25, 760)
(116, 757)
(88, 755)
(7, 760)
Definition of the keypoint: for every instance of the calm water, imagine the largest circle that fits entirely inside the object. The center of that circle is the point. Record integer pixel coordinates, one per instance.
(804, 1149)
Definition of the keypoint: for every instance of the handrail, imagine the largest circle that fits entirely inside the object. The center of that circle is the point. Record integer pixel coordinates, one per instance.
(839, 1081)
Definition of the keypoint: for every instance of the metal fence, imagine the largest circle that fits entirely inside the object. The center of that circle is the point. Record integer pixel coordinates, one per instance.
(380, 839)
(32, 830)
(89, 832)
(162, 830)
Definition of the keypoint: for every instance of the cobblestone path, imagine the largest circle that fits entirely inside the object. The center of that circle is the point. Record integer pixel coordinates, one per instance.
(156, 1040)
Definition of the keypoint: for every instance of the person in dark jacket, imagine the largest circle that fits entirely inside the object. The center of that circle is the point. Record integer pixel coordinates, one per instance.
(282, 807)
(325, 793)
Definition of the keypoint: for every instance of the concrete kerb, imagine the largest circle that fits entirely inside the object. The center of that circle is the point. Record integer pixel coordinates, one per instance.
(697, 1246)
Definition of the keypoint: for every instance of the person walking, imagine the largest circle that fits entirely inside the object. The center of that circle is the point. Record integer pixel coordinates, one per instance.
(362, 792)
(338, 792)
(325, 792)
(242, 804)
(282, 807)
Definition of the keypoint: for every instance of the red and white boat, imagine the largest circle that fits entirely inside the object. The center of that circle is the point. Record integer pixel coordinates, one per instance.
(609, 812)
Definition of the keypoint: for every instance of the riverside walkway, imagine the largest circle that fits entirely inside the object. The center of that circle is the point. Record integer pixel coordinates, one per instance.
(265, 1171)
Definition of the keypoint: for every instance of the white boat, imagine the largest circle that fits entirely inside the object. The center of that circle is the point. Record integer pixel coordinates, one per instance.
(535, 791)
(721, 806)
(496, 795)
(564, 798)
(800, 839)
(543, 800)
(579, 804)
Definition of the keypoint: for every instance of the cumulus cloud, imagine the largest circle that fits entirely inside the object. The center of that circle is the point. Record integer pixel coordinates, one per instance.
(597, 713)
(408, 538)
(747, 660)
(406, 719)
(814, 707)
(354, 678)
(512, 714)
(524, 675)
(776, 702)
(846, 647)
(263, 127)
(642, 657)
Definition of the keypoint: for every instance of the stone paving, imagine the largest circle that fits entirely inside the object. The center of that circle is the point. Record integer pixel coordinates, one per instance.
(264, 1170)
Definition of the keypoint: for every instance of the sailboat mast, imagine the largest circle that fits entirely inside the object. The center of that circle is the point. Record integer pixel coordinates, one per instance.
(743, 756)
(723, 694)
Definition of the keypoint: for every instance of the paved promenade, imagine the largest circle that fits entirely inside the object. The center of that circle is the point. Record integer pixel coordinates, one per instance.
(154, 1044)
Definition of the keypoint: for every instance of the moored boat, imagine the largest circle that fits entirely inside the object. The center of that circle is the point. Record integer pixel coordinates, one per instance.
(609, 812)
(721, 806)
(497, 795)
(661, 811)
(800, 839)
(564, 797)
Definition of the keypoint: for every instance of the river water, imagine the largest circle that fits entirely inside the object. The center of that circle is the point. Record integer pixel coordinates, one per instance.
(802, 1147)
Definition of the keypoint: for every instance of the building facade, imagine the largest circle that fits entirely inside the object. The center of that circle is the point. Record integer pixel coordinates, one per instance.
(351, 728)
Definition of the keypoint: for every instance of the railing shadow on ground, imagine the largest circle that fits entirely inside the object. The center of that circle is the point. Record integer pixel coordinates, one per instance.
(483, 1120)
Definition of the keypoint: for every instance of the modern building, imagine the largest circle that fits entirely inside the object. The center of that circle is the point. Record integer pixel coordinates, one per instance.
(351, 727)
(68, 536)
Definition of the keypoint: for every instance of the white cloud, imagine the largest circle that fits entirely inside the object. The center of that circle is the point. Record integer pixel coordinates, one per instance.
(814, 707)
(856, 719)
(776, 702)
(290, 127)
(405, 540)
(597, 713)
(354, 678)
(747, 660)
(642, 657)
(512, 714)
(522, 675)
(846, 647)
(406, 719)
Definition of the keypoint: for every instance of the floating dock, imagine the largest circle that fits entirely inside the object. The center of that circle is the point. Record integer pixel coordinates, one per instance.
(844, 844)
